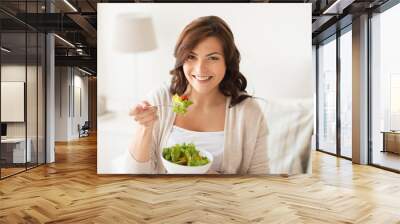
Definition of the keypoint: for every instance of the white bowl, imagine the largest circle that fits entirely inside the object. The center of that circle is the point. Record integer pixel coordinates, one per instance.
(173, 168)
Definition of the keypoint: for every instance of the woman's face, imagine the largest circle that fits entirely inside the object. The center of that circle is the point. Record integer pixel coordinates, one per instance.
(205, 66)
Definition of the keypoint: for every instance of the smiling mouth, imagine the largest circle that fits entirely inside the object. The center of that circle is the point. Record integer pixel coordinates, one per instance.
(202, 78)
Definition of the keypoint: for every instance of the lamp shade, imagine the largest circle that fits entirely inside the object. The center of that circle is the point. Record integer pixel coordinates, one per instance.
(134, 33)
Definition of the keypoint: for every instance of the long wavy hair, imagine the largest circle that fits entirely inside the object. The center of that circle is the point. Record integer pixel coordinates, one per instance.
(234, 83)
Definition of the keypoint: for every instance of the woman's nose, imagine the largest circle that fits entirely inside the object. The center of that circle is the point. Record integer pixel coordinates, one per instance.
(200, 67)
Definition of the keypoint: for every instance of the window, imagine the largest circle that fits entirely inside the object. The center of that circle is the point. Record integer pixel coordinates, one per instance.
(327, 96)
(346, 93)
(394, 102)
(385, 88)
(22, 65)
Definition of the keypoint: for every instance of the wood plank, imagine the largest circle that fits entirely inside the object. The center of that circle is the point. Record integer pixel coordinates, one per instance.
(70, 191)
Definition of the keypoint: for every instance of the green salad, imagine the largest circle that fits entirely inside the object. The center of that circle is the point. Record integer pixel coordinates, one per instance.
(180, 104)
(184, 154)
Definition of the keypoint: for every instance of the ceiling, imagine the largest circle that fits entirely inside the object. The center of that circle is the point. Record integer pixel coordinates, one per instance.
(77, 22)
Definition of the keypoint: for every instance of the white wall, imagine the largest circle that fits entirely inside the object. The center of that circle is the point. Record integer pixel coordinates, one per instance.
(80, 84)
(61, 103)
(68, 82)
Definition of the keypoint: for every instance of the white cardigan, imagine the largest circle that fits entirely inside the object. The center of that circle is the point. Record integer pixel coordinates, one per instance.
(245, 143)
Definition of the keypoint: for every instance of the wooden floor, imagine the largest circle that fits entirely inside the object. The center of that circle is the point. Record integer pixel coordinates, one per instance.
(10, 171)
(5, 172)
(70, 191)
(387, 159)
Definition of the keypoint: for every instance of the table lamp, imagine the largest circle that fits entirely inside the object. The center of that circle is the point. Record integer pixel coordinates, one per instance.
(134, 34)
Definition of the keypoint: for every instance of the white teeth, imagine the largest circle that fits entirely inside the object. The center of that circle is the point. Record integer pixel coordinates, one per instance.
(202, 78)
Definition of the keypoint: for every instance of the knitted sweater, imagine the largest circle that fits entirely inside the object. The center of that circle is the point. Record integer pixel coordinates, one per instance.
(245, 131)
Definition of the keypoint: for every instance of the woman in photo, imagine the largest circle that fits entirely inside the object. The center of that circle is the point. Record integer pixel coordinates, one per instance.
(223, 120)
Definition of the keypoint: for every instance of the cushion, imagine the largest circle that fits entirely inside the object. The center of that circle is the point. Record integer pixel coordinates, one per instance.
(290, 125)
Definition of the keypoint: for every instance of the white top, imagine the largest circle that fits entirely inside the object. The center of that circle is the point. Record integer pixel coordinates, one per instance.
(245, 145)
(213, 142)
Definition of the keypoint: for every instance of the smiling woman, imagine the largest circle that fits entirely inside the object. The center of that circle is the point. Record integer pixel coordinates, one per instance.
(207, 73)
(206, 49)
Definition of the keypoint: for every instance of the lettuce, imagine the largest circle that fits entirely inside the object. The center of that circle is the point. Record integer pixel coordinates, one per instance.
(180, 104)
(184, 154)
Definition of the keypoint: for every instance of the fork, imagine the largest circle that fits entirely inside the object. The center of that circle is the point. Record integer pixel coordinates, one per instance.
(159, 105)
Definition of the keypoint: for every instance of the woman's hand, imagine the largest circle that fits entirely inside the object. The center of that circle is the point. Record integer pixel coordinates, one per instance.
(144, 114)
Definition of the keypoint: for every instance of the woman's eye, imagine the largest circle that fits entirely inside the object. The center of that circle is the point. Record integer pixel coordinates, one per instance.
(190, 57)
(214, 58)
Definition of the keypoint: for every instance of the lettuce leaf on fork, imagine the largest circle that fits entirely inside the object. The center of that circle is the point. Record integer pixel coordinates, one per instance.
(180, 104)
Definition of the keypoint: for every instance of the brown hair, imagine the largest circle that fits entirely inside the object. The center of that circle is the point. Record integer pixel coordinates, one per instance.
(234, 83)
